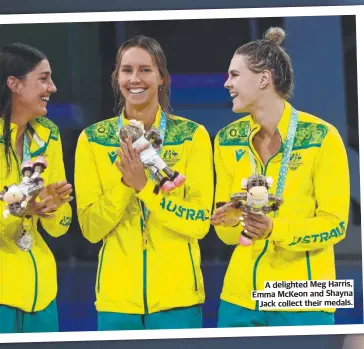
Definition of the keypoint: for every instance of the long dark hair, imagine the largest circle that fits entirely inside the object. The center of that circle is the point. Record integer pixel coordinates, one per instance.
(15, 60)
(154, 49)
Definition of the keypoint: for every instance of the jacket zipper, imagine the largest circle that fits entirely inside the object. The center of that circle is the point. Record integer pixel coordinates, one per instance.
(255, 270)
(145, 257)
(36, 280)
(193, 266)
(100, 267)
(30, 252)
(266, 241)
(145, 281)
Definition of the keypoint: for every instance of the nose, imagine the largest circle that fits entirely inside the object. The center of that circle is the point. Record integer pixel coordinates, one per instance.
(134, 78)
(227, 83)
(52, 87)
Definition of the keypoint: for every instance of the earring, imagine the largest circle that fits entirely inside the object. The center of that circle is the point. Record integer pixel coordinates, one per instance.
(160, 88)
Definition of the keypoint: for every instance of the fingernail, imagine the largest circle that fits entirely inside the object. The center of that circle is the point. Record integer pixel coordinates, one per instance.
(241, 218)
(242, 224)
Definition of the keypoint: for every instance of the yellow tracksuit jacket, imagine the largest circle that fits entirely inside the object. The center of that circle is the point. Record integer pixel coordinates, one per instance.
(166, 274)
(312, 219)
(28, 280)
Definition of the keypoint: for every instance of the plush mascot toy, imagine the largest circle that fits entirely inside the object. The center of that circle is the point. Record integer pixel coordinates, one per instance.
(255, 199)
(18, 196)
(166, 178)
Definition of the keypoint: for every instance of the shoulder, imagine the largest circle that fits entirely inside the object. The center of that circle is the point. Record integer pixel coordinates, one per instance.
(312, 131)
(181, 129)
(50, 125)
(235, 133)
(103, 132)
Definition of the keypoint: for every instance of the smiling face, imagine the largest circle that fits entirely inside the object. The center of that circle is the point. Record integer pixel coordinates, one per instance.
(31, 93)
(139, 78)
(245, 86)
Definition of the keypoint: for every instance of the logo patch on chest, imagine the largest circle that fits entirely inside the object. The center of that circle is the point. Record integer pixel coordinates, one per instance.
(170, 157)
(295, 161)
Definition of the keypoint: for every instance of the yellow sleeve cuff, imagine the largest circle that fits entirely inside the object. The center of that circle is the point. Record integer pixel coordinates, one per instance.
(148, 196)
(280, 229)
(119, 191)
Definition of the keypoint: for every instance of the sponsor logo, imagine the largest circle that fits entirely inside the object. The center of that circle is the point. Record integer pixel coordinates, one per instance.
(112, 156)
(239, 154)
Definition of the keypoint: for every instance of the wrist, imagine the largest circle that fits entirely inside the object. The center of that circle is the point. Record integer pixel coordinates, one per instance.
(124, 183)
(141, 187)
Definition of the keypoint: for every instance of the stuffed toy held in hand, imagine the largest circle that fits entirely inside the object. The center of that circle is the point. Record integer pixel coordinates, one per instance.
(149, 157)
(256, 199)
(18, 196)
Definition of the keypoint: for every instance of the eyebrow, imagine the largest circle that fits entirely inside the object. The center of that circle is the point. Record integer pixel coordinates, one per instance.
(45, 72)
(143, 65)
(233, 71)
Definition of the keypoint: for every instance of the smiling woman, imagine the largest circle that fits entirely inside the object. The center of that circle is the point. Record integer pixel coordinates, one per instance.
(149, 274)
(29, 142)
(296, 150)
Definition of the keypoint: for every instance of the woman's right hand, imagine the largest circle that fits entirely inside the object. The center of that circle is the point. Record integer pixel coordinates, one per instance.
(226, 215)
(42, 208)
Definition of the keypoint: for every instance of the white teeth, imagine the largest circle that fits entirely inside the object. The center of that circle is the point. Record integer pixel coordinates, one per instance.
(233, 94)
(45, 99)
(136, 90)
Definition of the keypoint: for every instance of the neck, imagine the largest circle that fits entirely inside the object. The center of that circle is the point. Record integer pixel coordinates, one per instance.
(146, 114)
(21, 126)
(20, 118)
(268, 115)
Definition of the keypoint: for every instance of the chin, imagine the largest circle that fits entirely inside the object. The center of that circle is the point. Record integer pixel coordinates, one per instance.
(238, 109)
(41, 112)
(137, 101)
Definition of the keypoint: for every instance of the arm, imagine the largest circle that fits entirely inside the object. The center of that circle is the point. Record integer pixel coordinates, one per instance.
(332, 192)
(190, 215)
(60, 224)
(224, 179)
(99, 211)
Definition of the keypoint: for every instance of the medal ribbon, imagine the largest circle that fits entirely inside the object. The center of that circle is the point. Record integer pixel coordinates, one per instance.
(285, 157)
(26, 148)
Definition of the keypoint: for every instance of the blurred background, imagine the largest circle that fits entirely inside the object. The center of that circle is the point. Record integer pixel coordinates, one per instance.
(82, 57)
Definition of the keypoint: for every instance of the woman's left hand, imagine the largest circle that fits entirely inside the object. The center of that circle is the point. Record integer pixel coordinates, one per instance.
(257, 226)
(131, 167)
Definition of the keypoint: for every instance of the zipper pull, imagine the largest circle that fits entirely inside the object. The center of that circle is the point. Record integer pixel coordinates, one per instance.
(145, 241)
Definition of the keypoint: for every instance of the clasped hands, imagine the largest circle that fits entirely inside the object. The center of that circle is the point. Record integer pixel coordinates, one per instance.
(52, 197)
(255, 226)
